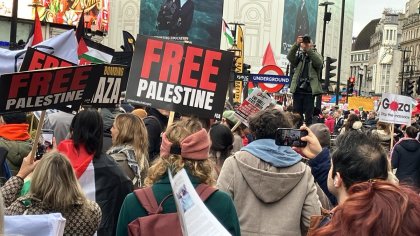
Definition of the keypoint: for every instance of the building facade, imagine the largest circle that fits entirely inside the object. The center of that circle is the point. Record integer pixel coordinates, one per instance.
(410, 45)
(384, 58)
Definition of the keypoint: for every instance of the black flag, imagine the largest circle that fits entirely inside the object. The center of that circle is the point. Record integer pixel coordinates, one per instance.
(129, 42)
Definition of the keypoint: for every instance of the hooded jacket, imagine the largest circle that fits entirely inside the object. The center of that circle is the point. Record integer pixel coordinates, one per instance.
(273, 191)
(406, 159)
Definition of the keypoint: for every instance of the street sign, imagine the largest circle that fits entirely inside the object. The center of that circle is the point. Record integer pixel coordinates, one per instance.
(276, 83)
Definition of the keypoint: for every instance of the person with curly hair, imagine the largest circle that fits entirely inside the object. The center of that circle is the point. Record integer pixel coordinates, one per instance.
(185, 144)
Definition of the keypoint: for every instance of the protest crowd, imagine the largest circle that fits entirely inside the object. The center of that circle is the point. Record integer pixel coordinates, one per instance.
(343, 178)
(145, 151)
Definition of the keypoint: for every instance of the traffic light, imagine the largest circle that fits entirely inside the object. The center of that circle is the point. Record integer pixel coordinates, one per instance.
(329, 71)
(410, 88)
(350, 85)
(246, 69)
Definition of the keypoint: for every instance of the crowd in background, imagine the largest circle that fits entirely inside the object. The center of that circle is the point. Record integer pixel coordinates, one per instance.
(348, 173)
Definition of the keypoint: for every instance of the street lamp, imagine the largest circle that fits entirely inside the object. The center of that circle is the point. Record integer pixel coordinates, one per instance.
(327, 18)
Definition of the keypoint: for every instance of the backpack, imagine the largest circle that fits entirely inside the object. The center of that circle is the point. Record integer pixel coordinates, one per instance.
(156, 223)
(166, 14)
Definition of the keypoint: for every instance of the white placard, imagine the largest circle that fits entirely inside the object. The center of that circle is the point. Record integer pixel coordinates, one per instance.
(195, 217)
(395, 109)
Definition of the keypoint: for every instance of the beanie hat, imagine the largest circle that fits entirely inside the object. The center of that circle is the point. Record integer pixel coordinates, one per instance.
(230, 115)
(15, 118)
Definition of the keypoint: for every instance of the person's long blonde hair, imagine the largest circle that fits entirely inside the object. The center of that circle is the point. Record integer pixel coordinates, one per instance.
(202, 169)
(54, 183)
(132, 131)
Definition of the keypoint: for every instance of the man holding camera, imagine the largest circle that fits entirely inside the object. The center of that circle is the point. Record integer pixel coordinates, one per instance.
(305, 83)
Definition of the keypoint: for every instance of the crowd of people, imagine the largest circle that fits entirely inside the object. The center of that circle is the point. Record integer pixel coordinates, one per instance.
(347, 180)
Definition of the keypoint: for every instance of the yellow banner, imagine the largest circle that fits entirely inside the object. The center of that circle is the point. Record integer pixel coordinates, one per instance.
(356, 103)
(238, 91)
(240, 45)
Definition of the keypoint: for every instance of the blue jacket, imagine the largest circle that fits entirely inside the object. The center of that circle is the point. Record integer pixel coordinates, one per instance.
(320, 166)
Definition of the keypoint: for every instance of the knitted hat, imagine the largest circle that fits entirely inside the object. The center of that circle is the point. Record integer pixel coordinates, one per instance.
(230, 115)
(15, 118)
(194, 147)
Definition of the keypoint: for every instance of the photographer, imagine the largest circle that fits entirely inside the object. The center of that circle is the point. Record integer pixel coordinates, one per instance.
(305, 81)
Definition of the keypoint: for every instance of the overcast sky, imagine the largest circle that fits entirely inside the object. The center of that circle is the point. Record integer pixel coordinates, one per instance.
(367, 10)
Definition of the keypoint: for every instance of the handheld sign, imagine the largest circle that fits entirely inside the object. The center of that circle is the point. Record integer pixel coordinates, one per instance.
(111, 80)
(254, 103)
(37, 60)
(395, 109)
(179, 77)
(44, 89)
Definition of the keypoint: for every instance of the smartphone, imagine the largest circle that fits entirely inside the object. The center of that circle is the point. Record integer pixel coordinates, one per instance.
(45, 142)
(290, 137)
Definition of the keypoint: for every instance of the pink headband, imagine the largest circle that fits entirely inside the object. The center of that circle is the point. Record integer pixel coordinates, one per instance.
(194, 147)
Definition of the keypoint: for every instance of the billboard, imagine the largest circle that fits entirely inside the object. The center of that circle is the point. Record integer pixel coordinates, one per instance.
(196, 21)
(63, 12)
(300, 18)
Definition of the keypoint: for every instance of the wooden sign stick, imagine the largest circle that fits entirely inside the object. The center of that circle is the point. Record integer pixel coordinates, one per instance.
(38, 134)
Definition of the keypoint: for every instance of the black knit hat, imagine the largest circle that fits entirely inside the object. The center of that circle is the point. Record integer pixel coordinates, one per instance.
(14, 118)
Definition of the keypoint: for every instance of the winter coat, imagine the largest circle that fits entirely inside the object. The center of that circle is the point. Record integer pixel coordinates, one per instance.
(320, 166)
(59, 122)
(81, 218)
(330, 123)
(270, 200)
(315, 63)
(126, 158)
(16, 140)
(155, 124)
(406, 159)
(102, 180)
(219, 203)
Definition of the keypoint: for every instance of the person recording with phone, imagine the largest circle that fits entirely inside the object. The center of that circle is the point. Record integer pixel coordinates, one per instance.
(305, 85)
(268, 181)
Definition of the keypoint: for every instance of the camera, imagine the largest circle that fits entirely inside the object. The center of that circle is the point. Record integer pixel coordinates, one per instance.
(304, 84)
(306, 39)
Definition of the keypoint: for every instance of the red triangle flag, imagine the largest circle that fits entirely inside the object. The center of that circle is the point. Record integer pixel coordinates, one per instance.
(82, 48)
(268, 58)
(37, 37)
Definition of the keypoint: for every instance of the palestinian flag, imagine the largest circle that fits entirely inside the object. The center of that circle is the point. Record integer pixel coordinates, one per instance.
(96, 53)
(36, 34)
(227, 32)
(101, 180)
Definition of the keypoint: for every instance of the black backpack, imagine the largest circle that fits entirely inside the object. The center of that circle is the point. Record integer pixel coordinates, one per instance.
(166, 14)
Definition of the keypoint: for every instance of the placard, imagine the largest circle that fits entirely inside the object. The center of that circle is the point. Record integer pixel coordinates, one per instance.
(254, 103)
(395, 109)
(110, 82)
(46, 89)
(179, 77)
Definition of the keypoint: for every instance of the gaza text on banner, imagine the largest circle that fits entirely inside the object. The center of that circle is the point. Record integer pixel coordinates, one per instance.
(112, 80)
(179, 77)
(395, 109)
(254, 103)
